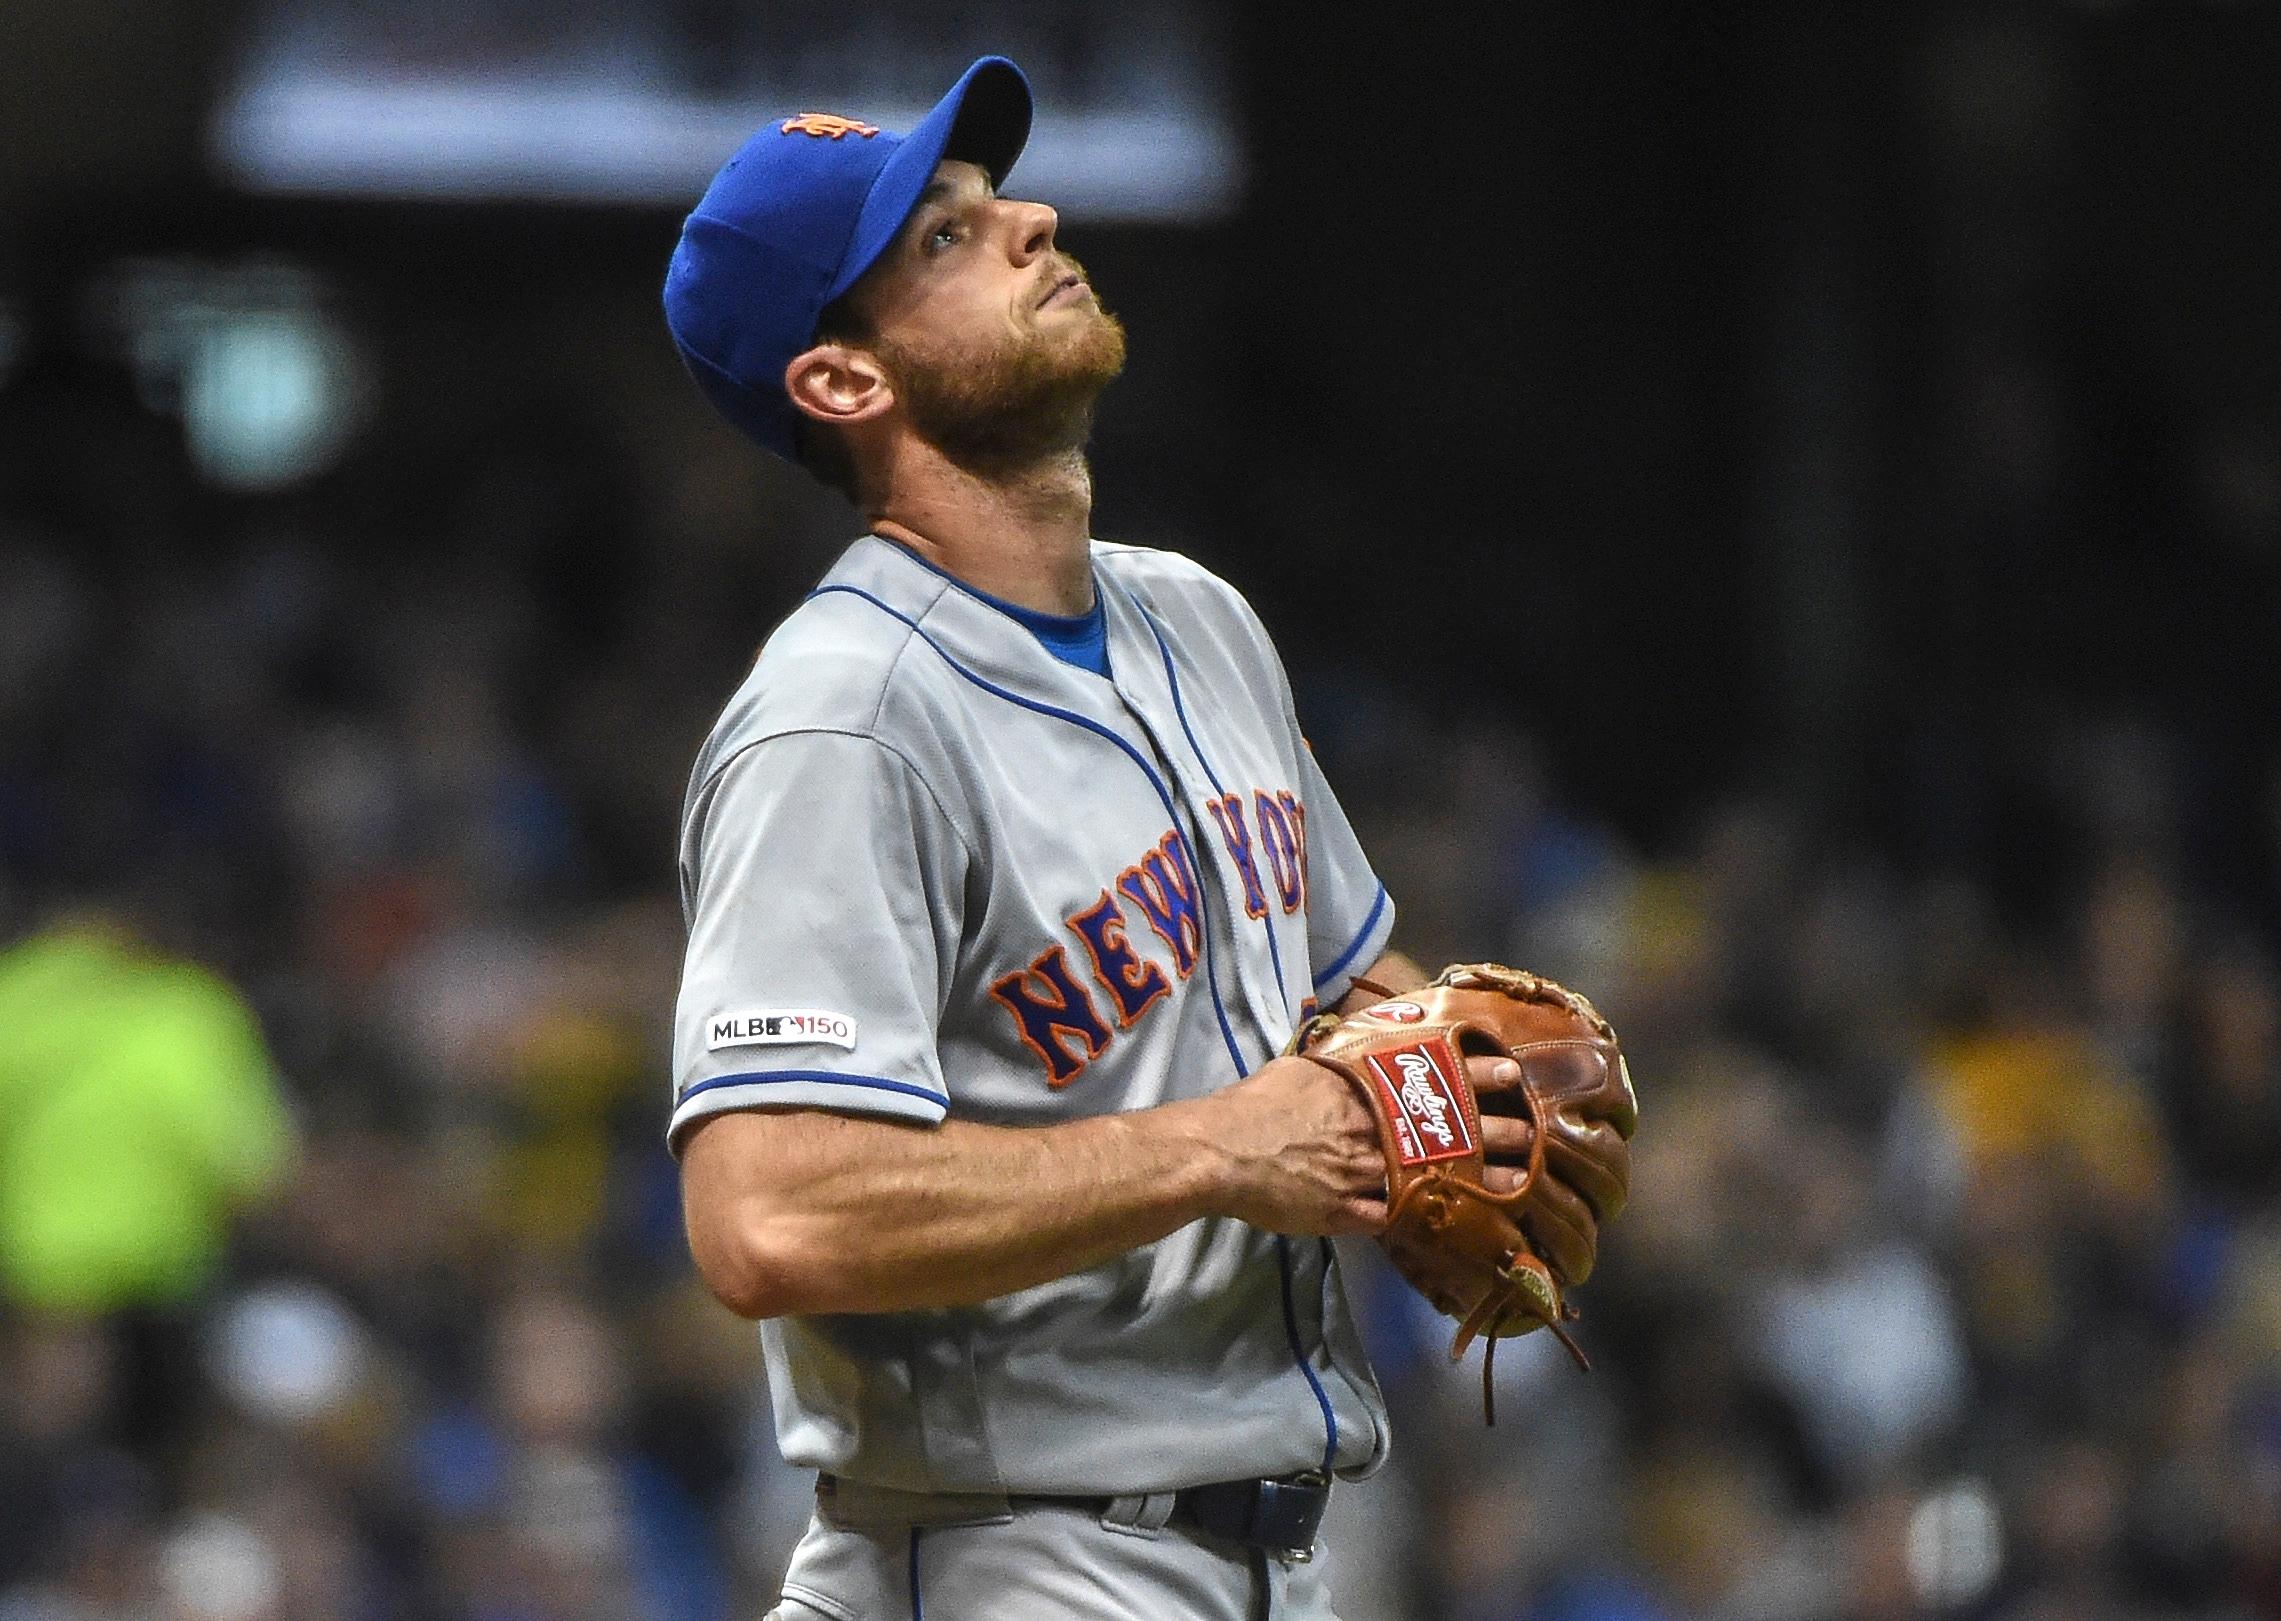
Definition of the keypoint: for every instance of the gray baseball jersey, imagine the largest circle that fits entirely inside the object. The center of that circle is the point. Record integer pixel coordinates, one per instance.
(930, 869)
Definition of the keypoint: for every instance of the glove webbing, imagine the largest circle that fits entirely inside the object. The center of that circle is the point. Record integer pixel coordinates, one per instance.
(1490, 1316)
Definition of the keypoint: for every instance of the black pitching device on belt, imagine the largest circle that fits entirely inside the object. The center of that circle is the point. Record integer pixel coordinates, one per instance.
(1280, 1515)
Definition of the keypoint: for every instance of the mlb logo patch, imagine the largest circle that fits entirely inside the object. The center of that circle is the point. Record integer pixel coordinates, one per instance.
(1421, 1086)
(779, 1028)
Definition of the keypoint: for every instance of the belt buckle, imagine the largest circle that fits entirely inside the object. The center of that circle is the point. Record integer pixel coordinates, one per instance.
(1294, 1505)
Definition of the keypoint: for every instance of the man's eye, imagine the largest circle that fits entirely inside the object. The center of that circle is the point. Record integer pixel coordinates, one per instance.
(942, 236)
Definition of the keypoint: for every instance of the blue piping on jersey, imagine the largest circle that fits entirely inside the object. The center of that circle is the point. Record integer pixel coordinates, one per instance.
(774, 1077)
(917, 1614)
(1282, 1245)
(1369, 923)
(1211, 978)
(1011, 610)
(1299, 1355)
(1172, 678)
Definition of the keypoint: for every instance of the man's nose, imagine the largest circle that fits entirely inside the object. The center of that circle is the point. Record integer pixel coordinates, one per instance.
(1032, 226)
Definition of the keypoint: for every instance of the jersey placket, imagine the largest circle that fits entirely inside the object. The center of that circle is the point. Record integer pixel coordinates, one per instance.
(1242, 946)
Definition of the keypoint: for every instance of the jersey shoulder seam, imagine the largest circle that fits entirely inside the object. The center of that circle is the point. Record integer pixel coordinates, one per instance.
(903, 757)
(880, 678)
(887, 676)
(909, 628)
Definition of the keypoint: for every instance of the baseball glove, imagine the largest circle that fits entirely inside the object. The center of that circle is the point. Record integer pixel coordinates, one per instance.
(1500, 1263)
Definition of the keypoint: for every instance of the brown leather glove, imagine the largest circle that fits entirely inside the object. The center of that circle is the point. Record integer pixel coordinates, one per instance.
(1500, 1263)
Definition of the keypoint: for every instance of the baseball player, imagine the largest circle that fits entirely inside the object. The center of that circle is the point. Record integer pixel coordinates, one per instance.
(1008, 875)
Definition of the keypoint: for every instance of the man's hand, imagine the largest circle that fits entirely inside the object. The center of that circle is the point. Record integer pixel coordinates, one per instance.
(1299, 1151)
(1302, 1147)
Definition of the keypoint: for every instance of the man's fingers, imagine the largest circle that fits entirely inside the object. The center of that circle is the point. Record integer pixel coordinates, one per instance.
(1366, 1216)
(1493, 1074)
(1506, 1137)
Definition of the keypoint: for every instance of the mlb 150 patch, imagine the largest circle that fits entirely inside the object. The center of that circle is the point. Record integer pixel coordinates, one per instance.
(779, 1029)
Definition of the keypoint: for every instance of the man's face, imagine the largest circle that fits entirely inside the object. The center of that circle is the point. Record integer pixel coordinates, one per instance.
(995, 343)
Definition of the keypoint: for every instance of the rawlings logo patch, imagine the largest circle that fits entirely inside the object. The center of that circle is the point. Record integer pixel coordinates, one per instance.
(1420, 1084)
(782, 1029)
(1396, 1012)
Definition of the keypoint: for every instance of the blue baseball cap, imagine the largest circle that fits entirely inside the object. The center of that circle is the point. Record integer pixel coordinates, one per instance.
(803, 209)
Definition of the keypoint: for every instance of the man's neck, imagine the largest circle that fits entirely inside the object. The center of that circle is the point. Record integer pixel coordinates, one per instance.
(1022, 537)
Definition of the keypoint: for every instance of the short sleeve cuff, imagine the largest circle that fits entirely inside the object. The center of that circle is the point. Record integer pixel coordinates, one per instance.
(805, 1089)
(1336, 977)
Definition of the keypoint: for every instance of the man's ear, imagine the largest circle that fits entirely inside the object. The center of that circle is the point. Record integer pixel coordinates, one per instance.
(839, 384)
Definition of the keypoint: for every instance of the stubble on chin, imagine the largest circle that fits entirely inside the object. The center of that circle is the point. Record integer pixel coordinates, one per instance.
(1016, 404)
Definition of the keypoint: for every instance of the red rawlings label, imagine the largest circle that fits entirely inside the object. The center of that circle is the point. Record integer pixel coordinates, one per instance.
(1420, 1084)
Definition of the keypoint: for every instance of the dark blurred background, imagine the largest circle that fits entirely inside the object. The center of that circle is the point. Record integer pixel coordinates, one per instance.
(1774, 513)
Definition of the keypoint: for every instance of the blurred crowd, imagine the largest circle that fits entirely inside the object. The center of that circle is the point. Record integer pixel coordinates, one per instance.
(1952, 1281)
(341, 1272)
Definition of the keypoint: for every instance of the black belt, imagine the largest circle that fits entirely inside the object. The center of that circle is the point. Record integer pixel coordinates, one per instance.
(1281, 1515)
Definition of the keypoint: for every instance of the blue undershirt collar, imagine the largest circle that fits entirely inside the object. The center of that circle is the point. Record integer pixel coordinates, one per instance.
(1080, 640)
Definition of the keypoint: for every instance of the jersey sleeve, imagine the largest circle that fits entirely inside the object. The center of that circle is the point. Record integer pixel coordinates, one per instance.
(1350, 917)
(823, 888)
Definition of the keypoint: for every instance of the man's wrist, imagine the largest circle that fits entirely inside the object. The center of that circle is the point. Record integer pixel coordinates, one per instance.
(1201, 1174)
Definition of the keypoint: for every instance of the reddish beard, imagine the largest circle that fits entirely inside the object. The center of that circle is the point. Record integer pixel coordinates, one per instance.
(1021, 401)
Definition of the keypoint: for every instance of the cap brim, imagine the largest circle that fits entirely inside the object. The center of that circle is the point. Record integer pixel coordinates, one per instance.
(985, 119)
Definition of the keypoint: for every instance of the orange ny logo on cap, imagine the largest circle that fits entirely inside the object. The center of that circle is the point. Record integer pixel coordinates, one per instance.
(827, 124)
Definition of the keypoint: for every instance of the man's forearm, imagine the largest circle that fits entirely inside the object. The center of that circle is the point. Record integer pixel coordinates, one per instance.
(804, 1212)
(869, 1215)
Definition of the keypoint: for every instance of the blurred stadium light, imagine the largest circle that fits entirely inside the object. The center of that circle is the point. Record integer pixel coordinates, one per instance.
(498, 99)
(1955, 1546)
(267, 384)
